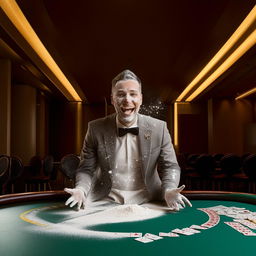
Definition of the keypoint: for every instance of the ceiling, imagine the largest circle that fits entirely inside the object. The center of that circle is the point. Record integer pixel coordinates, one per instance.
(165, 42)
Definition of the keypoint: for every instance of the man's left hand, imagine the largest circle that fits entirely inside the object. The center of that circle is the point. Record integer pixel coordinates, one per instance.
(175, 200)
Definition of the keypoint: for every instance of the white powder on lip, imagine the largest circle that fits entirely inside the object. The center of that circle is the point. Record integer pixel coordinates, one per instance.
(79, 223)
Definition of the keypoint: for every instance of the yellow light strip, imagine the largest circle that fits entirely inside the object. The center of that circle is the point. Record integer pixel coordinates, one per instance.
(246, 94)
(176, 125)
(239, 52)
(225, 48)
(18, 19)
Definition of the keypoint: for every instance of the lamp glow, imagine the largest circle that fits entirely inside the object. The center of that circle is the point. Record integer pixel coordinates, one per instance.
(18, 19)
(247, 22)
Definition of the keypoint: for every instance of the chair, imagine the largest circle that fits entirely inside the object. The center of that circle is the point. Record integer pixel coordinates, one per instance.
(205, 166)
(244, 156)
(230, 165)
(69, 164)
(4, 173)
(191, 176)
(16, 170)
(191, 160)
(35, 166)
(39, 173)
(47, 171)
(249, 168)
(217, 157)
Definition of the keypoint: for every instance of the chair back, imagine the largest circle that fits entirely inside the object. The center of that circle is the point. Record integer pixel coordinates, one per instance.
(230, 164)
(205, 165)
(217, 157)
(4, 165)
(191, 160)
(249, 166)
(48, 165)
(4, 173)
(35, 165)
(16, 168)
(69, 164)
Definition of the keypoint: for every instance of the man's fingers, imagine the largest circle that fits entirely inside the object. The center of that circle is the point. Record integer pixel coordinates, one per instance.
(71, 199)
(79, 205)
(68, 190)
(186, 201)
(180, 188)
(181, 203)
(73, 203)
(173, 206)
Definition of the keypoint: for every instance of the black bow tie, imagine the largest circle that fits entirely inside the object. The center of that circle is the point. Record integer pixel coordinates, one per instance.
(123, 131)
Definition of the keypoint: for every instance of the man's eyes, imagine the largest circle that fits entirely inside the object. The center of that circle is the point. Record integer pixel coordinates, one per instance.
(132, 94)
(121, 94)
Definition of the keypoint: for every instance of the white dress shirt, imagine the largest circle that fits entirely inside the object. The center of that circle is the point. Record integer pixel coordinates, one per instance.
(127, 182)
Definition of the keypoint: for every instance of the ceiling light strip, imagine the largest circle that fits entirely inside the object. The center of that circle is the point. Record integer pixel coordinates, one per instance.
(247, 93)
(18, 19)
(225, 48)
(239, 52)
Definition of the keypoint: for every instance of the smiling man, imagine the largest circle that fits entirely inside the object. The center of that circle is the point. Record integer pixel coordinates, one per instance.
(127, 157)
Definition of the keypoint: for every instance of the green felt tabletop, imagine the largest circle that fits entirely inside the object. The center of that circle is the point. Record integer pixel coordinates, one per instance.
(18, 237)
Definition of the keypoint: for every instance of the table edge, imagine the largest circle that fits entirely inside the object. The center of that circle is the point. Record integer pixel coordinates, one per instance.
(192, 195)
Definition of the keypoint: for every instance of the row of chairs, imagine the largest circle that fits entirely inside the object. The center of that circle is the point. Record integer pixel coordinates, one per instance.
(67, 166)
(37, 176)
(219, 169)
(229, 164)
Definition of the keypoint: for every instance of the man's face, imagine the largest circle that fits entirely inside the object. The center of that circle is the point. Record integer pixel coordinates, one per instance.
(126, 98)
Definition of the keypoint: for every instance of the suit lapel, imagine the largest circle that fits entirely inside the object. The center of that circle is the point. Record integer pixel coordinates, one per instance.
(144, 141)
(110, 139)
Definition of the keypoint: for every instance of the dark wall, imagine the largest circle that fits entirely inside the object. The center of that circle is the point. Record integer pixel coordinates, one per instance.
(68, 125)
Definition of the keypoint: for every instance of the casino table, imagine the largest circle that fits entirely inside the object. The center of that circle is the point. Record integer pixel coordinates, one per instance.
(30, 225)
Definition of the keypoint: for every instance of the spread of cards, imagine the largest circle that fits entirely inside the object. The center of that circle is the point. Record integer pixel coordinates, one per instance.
(244, 221)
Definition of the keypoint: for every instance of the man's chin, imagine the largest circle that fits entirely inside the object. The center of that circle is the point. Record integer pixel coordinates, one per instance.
(127, 118)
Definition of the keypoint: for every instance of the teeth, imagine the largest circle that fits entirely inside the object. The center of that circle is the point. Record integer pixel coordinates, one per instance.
(128, 110)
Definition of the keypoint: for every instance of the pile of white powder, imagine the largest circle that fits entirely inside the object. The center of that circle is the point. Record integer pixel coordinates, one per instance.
(80, 223)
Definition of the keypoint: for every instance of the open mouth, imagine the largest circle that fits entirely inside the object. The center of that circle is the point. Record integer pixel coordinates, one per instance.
(127, 111)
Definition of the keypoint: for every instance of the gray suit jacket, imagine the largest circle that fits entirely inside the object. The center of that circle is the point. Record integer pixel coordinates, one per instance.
(160, 169)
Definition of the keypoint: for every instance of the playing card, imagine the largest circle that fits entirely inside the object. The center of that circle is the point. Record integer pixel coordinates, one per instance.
(170, 234)
(191, 230)
(152, 236)
(183, 232)
(144, 240)
(135, 234)
(197, 227)
(240, 228)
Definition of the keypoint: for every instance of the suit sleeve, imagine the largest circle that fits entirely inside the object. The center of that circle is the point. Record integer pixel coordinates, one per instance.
(88, 163)
(167, 162)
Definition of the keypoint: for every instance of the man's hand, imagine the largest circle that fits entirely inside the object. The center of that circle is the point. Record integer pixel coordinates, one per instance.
(175, 200)
(77, 197)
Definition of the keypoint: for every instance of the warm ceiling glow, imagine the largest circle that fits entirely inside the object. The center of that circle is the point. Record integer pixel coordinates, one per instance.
(246, 94)
(240, 51)
(18, 19)
(226, 47)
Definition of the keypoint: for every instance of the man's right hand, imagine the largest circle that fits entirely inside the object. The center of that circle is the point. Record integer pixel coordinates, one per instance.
(77, 197)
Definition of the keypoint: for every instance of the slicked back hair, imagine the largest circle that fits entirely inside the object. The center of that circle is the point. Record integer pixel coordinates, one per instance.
(124, 76)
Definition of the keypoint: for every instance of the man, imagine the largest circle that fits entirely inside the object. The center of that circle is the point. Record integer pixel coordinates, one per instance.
(134, 153)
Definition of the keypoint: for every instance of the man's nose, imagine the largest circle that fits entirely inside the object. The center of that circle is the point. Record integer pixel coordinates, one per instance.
(127, 98)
